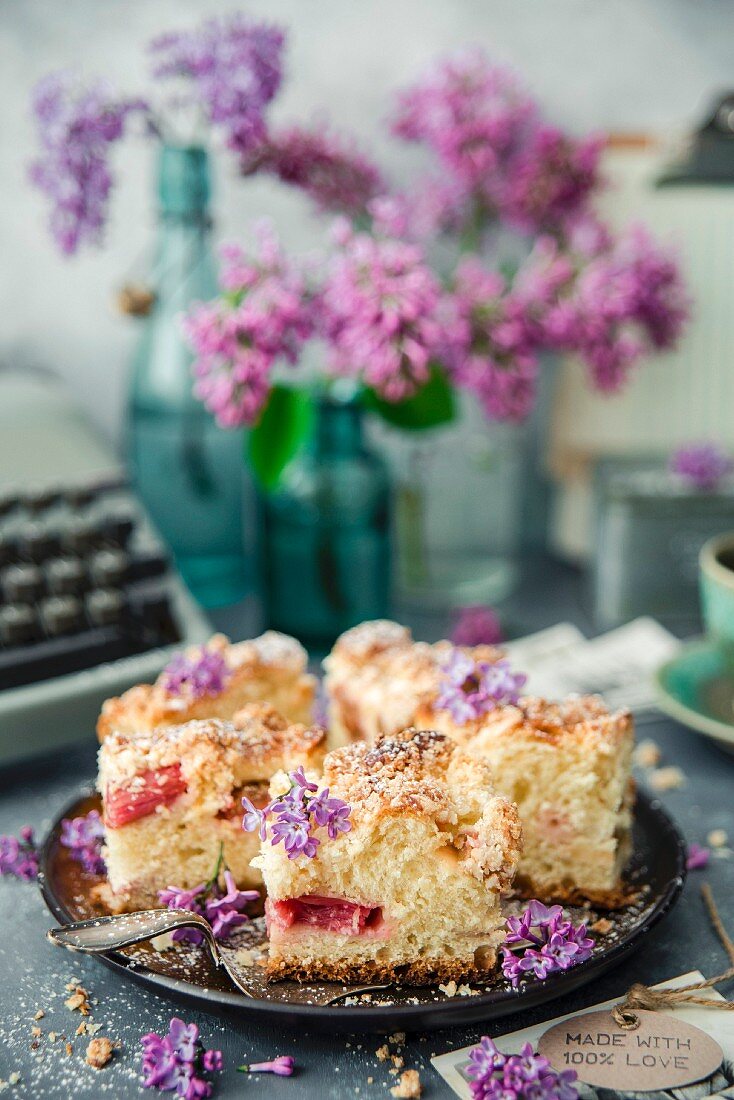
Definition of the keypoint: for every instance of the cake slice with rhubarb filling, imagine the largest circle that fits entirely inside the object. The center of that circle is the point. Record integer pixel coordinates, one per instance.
(377, 678)
(173, 796)
(567, 766)
(391, 869)
(215, 681)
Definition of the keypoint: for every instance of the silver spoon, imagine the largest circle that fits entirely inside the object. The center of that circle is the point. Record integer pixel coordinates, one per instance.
(102, 934)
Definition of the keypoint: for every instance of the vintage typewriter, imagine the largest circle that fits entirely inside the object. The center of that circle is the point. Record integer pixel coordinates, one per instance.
(90, 601)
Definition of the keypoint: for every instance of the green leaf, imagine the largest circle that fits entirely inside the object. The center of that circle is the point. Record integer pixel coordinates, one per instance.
(280, 433)
(432, 405)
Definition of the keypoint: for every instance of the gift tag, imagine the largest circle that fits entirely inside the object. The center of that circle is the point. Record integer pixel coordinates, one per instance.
(663, 1052)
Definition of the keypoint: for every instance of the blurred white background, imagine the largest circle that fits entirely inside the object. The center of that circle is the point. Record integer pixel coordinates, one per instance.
(610, 64)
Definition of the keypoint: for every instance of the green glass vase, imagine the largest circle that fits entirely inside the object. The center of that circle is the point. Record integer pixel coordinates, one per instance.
(326, 549)
(187, 470)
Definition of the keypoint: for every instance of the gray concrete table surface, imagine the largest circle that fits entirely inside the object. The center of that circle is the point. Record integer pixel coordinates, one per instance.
(33, 975)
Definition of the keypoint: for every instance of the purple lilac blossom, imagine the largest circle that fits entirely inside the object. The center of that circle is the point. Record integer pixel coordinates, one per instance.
(204, 673)
(233, 69)
(77, 125)
(698, 857)
(701, 465)
(542, 942)
(224, 911)
(84, 836)
(19, 855)
(472, 688)
(174, 1062)
(263, 316)
(283, 1065)
(295, 816)
(609, 301)
(491, 346)
(476, 625)
(325, 166)
(524, 1076)
(500, 159)
(378, 310)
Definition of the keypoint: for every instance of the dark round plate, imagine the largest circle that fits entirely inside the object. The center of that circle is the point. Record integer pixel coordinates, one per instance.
(656, 870)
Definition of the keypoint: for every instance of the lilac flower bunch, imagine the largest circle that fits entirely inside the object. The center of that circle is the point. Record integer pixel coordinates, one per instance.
(19, 855)
(523, 1076)
(491, 346)
(232, 69)
(610, 301)
(84, 836)
(472, 688)
(294, 817)
(334, 174)
(77, 125)
(701, 465)
(542, 942)
(378, 310)
(264, 316)
(204, 673)
(177, 1062)
(224, 909)
(500, 157)
(476, 625)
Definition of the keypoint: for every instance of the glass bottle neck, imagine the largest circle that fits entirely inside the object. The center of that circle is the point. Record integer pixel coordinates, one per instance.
(338, 431)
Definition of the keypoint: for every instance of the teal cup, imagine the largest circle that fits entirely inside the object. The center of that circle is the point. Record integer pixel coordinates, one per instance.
(716, 575)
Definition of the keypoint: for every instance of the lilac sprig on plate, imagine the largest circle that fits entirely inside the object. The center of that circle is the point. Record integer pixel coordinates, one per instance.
(177, 1061)
(543, 942)
(295, 817)
(701, 465)
(224, 909)
(473, 688)
(198, 674)
(19, 855)
(498, 1076)
(84, 836)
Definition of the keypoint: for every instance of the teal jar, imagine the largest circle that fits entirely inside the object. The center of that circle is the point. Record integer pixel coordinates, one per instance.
(187, 470)
(326, 552)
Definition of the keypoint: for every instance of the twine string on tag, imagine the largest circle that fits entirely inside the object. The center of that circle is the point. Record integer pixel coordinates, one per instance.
(643, 997)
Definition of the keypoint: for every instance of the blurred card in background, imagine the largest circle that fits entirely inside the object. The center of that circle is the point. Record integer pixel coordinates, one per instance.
(619, 665)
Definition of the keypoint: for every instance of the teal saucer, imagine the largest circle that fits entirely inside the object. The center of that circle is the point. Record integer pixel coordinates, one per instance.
(696, 688)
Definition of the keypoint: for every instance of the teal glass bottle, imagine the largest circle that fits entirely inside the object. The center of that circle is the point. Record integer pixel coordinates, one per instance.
(188, 472)
(326, 547)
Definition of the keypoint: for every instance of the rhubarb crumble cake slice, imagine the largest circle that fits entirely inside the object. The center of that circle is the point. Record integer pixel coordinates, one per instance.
(171, 797)
(393, 869)
(215, 681)
(567, 766)
(377, 678)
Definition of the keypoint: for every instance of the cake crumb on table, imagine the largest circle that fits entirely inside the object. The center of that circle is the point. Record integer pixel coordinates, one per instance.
(99, 1052)
(398, 1061)
(39, 1015)
(670, 778)
(36, 1032)
(717, 838)
(78, 1001)
(647, 754)
(449, 989)
(398, 1038)
(383, 1053)
(408, 1087)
